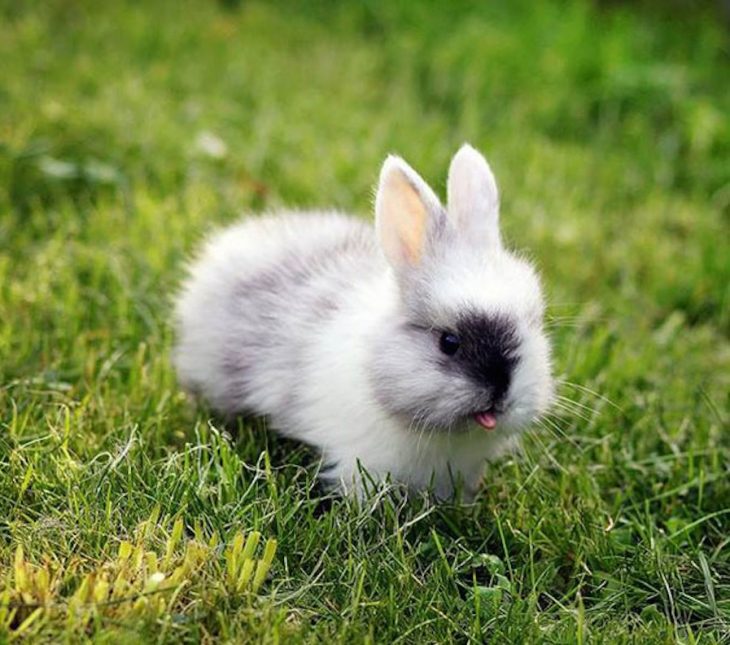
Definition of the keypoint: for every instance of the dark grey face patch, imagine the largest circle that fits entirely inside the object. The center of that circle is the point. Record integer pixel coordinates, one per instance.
(487, 352)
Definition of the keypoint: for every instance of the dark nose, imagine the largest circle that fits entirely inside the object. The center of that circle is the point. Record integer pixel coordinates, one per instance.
(497, 375)
(490, 351)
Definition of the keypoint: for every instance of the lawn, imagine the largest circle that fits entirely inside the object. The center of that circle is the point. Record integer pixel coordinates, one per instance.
(127, 130)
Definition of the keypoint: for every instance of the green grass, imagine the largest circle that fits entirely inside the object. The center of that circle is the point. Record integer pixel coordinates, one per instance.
(607, 126)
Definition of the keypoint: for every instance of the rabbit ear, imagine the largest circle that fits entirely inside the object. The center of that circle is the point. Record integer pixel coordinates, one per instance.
(404, 208)
(473, 197)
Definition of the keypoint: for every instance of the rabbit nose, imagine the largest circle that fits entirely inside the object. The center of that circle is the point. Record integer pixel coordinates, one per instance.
(498, 376)
(489, 352)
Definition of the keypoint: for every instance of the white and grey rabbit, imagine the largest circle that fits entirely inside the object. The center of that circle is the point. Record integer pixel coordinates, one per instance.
(416, 349)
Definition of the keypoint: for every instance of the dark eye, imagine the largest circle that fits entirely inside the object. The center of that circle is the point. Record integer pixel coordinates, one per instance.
(449, 343)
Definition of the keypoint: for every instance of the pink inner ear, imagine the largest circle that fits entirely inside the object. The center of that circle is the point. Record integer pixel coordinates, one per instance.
(402, 217)
(413, 222)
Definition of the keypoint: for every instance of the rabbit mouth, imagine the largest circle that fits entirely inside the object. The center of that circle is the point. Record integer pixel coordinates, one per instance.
(487, 419)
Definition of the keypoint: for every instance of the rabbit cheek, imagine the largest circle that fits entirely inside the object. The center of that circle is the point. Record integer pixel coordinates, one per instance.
(409, 381)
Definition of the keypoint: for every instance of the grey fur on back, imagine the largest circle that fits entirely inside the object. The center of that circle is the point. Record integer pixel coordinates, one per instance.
(268, 310)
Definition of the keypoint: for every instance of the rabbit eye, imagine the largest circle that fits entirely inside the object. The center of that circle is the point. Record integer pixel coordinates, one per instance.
(449, 343)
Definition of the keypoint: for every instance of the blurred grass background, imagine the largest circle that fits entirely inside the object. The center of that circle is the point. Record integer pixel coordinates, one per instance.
(128, 129)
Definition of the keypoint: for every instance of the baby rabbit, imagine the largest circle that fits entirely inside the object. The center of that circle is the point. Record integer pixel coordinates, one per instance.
(416, 350)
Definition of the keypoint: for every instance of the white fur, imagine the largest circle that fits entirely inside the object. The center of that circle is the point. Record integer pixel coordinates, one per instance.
(286, 316)
(473, 197)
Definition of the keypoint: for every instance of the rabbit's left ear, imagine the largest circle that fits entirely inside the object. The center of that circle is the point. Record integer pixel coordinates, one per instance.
(473, 197)
(406, 210)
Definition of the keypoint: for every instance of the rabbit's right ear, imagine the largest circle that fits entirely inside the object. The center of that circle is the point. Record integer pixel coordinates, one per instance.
(404, 208)
(473, 197)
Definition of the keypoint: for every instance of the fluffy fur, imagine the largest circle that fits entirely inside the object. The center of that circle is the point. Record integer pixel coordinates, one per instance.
(333, 333)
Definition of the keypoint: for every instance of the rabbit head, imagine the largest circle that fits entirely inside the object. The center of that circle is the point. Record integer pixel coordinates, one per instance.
(464, 349)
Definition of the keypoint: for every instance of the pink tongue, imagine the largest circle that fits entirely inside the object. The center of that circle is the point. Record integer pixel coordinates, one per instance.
(486, 419)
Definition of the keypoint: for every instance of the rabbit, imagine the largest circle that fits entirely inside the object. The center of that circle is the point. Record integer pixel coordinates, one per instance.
(414, 353)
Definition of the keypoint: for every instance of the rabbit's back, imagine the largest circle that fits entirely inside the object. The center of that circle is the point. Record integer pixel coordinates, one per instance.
(255, 299)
